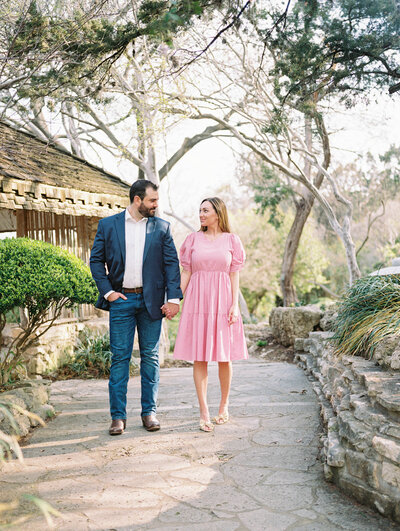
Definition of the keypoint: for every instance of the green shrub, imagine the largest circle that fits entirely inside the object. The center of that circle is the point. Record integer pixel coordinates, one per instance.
(37, 275)
(369, 312)
(42, 279)
(91, 359)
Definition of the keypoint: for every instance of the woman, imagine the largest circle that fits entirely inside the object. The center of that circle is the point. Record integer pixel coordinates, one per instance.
(211, 328)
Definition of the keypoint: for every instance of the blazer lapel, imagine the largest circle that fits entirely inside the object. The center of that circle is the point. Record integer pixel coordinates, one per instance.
(151, 223)
(120, 228)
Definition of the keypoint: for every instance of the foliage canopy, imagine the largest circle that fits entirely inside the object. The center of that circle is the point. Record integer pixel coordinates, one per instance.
(47, 49)
(327, 46)
(35, 275)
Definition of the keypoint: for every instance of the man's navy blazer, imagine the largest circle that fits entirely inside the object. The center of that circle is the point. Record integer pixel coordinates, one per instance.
(160, 271)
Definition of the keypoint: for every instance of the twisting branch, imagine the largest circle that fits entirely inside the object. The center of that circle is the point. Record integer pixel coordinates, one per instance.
(370, 223)
(215, 38)
(181, 220)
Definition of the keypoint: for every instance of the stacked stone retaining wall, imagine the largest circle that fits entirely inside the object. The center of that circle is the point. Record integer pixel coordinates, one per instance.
(31, 396)
(360, 407)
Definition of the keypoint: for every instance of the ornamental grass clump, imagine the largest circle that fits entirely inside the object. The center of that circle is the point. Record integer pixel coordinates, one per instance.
(369, 313)
(91, 358)
(42, 279)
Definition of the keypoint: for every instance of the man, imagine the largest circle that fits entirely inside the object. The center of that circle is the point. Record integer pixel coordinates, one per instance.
(135, 265)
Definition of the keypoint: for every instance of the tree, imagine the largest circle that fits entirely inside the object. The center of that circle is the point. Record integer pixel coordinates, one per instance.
(342, 46)
(47, 46)
(42, 280)
(108, 87)
(293, 141)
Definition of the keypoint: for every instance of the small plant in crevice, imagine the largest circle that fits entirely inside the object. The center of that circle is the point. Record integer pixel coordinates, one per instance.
(91, 358)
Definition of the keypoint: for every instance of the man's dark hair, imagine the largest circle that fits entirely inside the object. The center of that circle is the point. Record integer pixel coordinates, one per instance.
(139, 188)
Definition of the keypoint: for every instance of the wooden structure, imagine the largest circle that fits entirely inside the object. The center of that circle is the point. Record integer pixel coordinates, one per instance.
(50, 195)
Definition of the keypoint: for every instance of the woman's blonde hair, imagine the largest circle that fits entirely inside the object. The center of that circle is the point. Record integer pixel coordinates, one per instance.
(221, 211)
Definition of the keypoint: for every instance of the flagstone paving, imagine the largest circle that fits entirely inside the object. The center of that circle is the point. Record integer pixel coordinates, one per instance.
(261, 471)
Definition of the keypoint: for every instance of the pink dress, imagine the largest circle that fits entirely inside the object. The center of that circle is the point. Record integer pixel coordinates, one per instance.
(204, 333)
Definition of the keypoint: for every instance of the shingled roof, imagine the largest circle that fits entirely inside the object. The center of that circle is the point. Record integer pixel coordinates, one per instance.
(39, 176)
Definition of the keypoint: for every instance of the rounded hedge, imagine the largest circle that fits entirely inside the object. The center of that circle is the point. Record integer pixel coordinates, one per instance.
(34, 274)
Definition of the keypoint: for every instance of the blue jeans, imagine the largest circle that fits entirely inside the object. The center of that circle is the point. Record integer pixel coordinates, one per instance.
(125, 316)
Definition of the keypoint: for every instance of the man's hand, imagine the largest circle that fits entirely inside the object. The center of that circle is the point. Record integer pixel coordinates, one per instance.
(116, 295)
(170, 309)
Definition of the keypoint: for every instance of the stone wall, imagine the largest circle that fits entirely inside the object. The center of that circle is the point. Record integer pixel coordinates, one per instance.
(360, 407)
(32, 396)
(56, 345)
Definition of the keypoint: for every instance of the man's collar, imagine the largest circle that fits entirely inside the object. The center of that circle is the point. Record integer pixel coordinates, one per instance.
(128, 217)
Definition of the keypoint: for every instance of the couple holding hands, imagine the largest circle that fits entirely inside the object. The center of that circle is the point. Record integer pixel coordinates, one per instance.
(135, 266)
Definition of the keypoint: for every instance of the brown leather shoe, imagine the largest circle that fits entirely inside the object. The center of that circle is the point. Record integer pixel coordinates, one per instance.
(117, 427)
(150, 422)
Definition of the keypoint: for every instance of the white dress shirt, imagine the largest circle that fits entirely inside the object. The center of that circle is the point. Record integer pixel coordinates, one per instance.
(135, 237)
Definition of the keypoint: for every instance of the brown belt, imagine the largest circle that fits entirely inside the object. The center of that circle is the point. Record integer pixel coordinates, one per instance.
(132, 290)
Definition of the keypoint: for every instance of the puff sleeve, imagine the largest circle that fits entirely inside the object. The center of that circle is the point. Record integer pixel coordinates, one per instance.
(185, 253)
(238, 254)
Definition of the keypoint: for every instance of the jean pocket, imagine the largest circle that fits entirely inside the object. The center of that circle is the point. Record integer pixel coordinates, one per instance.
(120, 299)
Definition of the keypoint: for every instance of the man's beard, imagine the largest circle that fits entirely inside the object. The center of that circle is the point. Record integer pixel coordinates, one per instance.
(146, 212)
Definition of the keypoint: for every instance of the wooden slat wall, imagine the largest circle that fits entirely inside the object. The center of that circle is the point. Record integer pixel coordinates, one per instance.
(66, 231)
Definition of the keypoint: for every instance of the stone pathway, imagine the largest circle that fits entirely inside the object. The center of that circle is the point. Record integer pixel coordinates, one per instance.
(258, 472)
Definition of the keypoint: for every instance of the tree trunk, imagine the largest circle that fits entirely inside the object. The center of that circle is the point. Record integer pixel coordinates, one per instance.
(303, 209)
(350, 249)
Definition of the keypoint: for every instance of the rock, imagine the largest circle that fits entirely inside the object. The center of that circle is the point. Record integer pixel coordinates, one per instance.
(335, 453)
(328, 320)
(388, 448)
(299, 344)
(354, 431)
(30, 396)
(357, 465)
(393, 430)
(387, 353)
(328, 472)
(395, 359)
(287, 324)
(391, 474)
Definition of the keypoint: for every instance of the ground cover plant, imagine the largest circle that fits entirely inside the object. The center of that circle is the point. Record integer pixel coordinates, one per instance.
(368, 313)
(91, 358)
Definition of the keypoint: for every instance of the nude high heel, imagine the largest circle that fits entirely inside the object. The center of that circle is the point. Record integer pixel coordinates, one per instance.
(222, 418)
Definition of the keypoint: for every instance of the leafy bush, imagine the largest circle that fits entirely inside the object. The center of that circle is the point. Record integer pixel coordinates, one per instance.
(369, 312)
(91, 359)
(42, 279)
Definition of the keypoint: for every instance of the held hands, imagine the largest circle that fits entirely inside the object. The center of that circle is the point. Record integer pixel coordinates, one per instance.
(170, 309)
(233, 314)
